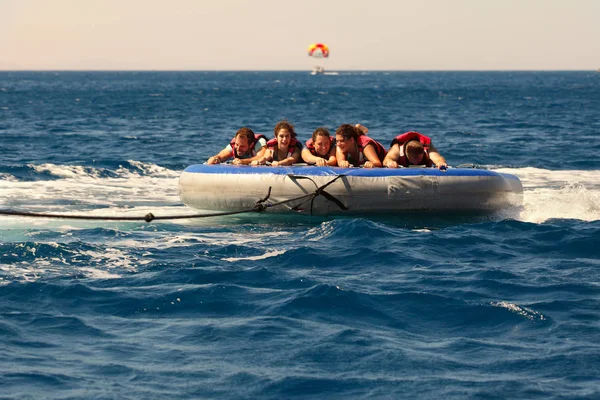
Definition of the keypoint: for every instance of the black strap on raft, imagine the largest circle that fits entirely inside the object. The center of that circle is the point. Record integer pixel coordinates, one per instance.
(259, 206)
(320, 191)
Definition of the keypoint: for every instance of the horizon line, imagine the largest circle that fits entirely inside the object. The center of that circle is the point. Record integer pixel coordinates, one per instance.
(293, 70)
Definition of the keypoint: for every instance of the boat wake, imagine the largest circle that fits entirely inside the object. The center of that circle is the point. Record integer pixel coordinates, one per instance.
(551, 195)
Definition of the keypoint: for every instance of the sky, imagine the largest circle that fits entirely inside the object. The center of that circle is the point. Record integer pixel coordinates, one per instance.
(275, 34)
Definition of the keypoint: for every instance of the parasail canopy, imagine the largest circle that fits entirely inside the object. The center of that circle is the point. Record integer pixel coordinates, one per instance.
(318, 50)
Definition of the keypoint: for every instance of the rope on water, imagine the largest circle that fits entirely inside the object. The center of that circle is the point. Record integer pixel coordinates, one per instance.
(259, 206)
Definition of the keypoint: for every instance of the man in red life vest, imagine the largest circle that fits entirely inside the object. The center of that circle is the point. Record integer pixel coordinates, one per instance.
(412, 148)
(244, 148)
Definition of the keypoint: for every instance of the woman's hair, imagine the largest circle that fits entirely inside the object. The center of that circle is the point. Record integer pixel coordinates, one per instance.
(285, 125)
(247, 133)
(320, 132)
(347, 131)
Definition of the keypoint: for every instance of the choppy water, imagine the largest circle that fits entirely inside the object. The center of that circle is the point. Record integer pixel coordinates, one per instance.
(506, 306)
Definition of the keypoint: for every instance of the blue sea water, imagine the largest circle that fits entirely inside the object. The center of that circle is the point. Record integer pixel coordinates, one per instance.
(265, 307)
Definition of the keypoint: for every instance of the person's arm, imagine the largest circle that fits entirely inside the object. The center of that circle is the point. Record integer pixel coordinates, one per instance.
(294, 158)
(341, 158)
(261, 158)
(362, 128)
(332, 161)
(248, 161)
(309, 158)
(391, 159)
(437, 158)
(372, 157)
(259, 148)
(223, 156)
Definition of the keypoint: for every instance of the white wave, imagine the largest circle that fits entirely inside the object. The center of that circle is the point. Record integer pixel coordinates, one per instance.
(185, 239)
(523, 311)
(82, 172)
(98, 264)
(110, 258)
(7, 177)
(170, 240)
(320, 232)
(84, 191)
(255, 258)
(66, 171)
(558, 194)
(148, 169)
(543, 178)
(98, 273)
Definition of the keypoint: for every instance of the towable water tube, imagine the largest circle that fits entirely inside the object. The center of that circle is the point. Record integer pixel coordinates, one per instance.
(335, 191)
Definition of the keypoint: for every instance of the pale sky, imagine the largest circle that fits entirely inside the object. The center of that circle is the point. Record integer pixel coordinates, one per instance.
(275, 34)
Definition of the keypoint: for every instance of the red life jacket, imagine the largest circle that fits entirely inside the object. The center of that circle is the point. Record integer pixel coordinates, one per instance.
(404, 138)
(362, 142)
(252, 153)
(311, 147)
(294, 144)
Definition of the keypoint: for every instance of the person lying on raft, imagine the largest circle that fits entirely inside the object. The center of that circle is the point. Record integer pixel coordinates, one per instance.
(356, 149)
(284, 149)
(320, 149)
(244, 148)
(412, 148)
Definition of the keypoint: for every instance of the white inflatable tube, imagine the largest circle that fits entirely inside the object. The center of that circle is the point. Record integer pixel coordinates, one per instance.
(226, 187)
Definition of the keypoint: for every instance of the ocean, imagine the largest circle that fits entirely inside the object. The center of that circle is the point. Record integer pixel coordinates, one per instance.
(293, 307)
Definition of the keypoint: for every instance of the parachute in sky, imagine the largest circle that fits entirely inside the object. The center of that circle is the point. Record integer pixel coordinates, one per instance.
(318, 50)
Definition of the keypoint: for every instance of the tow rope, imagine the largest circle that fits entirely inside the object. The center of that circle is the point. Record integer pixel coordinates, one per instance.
(259, 206)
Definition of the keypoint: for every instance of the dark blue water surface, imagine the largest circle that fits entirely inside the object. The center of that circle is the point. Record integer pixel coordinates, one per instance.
(277, 307)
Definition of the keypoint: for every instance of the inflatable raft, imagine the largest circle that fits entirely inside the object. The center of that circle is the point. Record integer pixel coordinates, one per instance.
(335, 191)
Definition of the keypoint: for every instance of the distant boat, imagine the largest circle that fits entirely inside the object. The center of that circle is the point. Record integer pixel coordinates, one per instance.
(318, 70)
